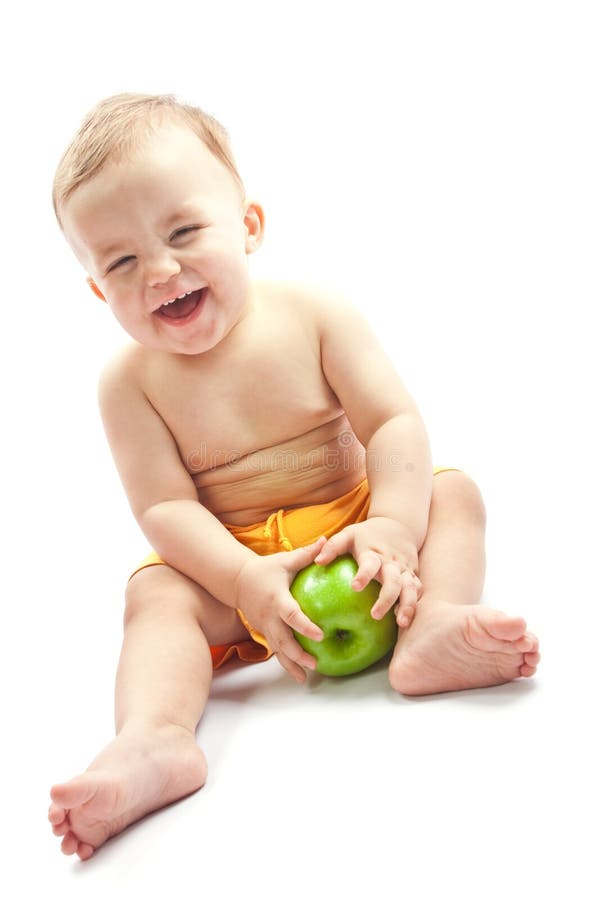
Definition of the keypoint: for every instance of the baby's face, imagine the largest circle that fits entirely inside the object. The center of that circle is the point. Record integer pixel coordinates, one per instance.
(168, 222)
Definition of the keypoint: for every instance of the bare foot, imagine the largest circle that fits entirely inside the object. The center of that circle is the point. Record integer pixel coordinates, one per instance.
(138, 772)
(450, 647)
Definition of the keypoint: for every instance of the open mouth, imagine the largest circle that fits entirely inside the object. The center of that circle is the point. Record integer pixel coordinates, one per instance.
(181, 309)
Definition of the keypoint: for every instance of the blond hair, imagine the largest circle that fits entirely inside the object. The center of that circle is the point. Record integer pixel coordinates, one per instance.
(117, 126)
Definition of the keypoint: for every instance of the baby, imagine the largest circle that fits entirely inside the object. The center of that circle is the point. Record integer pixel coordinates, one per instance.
(257, 427)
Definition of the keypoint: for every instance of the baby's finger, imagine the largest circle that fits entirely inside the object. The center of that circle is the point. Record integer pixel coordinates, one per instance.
(407, 606)
(390, 590)
(297, 673)
(336, 545)
(297, 559)
(369, 564)
(283, 642)
(298, 621)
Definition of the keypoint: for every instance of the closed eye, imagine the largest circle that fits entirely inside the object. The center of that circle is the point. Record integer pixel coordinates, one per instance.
(180, 232)
(183, 231)
(118, 263)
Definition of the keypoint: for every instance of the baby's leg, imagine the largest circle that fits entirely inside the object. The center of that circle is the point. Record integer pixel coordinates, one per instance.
(162, 685)
(453, 644)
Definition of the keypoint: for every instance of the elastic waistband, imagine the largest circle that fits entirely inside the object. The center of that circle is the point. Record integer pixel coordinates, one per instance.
(287, 529)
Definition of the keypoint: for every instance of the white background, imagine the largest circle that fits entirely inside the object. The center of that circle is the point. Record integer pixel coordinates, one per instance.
(438, 162)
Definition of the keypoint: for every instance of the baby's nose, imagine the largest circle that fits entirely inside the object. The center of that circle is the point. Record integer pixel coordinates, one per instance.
(160, 269)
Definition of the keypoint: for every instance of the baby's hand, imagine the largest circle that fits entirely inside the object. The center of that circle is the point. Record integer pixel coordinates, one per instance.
(262, 593)
(384, 552)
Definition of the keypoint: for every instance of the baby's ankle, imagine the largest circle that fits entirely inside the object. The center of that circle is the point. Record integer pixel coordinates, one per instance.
(154, 726)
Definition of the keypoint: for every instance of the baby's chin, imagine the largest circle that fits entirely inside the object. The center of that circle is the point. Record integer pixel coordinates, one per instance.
(201, 332)
(178, 342)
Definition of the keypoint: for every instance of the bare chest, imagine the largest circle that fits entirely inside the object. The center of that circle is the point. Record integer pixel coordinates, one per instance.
(268, 394)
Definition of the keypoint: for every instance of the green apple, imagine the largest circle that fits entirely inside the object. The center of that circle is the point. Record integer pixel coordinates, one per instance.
(352, 639)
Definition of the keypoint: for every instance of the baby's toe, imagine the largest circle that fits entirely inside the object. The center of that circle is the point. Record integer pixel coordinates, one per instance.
(56, 814)
(493, 631)
(504, 627)
(61, 828)
(84, 851)
(527, 671)
(69, 844)
(528, 643)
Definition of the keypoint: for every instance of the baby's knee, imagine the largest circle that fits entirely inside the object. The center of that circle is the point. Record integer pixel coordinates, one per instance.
(458, 490)
(163, 591)
(155, 587)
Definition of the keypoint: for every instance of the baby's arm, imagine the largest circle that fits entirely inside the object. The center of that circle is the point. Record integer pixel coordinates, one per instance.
(161, 492)
(186, 535)
(387, 422)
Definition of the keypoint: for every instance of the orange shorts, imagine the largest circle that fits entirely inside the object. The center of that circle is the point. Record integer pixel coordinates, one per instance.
(285, 530)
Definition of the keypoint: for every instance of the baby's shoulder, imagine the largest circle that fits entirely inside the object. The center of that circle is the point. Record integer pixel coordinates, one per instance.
(123, 370)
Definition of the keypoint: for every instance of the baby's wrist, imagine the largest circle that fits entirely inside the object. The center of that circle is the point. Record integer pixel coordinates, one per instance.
(400, 534)
(399, 526)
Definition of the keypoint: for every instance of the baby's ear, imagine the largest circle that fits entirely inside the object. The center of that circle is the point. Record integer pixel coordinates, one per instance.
(95, 288)
(254, 220)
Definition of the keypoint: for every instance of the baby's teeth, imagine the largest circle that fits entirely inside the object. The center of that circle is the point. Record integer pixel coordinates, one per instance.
(181, 297)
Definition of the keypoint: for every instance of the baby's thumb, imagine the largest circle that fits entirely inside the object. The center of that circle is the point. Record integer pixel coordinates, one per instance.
(303, 556)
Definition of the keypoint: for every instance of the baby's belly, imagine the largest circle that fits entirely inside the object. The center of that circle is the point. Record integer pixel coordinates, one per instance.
(297, 473)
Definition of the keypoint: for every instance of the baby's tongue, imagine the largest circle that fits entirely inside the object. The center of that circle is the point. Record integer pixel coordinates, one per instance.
(180, 308)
